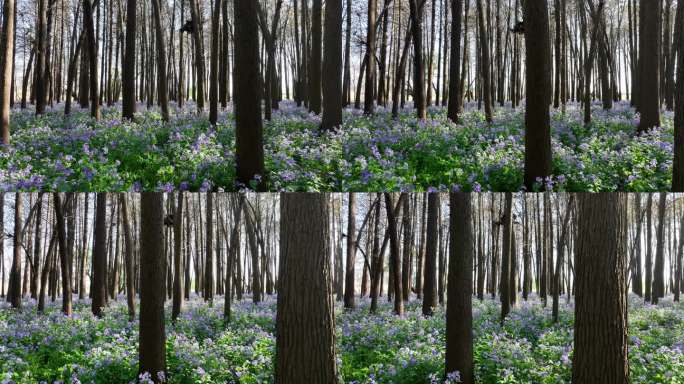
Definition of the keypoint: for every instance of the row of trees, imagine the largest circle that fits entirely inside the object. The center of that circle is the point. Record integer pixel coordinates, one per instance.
(209, 236)
(587, 52)
(158, 248)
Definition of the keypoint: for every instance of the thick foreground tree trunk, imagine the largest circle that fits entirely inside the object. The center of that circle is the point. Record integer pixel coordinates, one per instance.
(459, 332)
(600, 354)
(332, 66)
(649, 63)
(249, 136)
(305, 324)
(152, 340)
(538, 85)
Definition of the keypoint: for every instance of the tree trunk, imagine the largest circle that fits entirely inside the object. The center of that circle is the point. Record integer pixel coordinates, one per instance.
(63, 259)
(485, 69)
(659, 268)
(305, 326)
(416, 10)
(128, 70)
(680, 255)
(162, 79)
(213, 78)
(92, 56)
(197, 34)
(376, 262)
(678, 163)
(506, 222)
(41, 56)
(346, 97)
(600, 354)
(249, 136)
(368, 98)
(407, 251)
(349, 298)
(332, 66)
(7, 69)
(254, 251)
(637, 279)
(152, 339)
(128, 259)
(454, 107)
(459, 332)
(431, 248)
(14, 295)
(649, 63)
(538, 82)
(394, 255)
(315, 64)
(178, 259)
(648, 297)
(97, 289)
(209, 252)
(233, 256)
(560, 249)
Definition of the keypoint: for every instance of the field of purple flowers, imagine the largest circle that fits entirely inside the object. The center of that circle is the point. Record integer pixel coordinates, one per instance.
(380, 348)
(367, 154)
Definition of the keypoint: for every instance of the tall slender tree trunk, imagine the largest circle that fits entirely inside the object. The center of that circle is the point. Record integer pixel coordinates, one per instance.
(485, 70)
(459, 323)
(41, 56)
(315, 64)
(198, 42)
(368, 98)
(648, 295)
(637, 279)
(659, 267)
(14, 295)
(407, 250)
(89, 26)
(332, 66)
(128, 70)
(507, 223)
(560, 249)
(416, 9)
(152, 339)
(394, 255)
(162, 79)
(679, 260)
(97, 289)
(538, 83)
(349, 298)
(249, 126)
(454, 106)
(649, 63)
(346, 87)
(178, 259)
(6, 69)
(63, 259)
(213, 77)
(209, 252)
(431, 249)
(128, 259)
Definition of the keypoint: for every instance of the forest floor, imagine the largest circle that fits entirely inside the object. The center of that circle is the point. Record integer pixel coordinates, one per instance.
(367, 154)
(380, 348)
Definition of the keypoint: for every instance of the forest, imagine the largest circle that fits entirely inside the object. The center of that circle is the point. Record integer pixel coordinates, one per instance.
(332, 288)
(342, 96)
